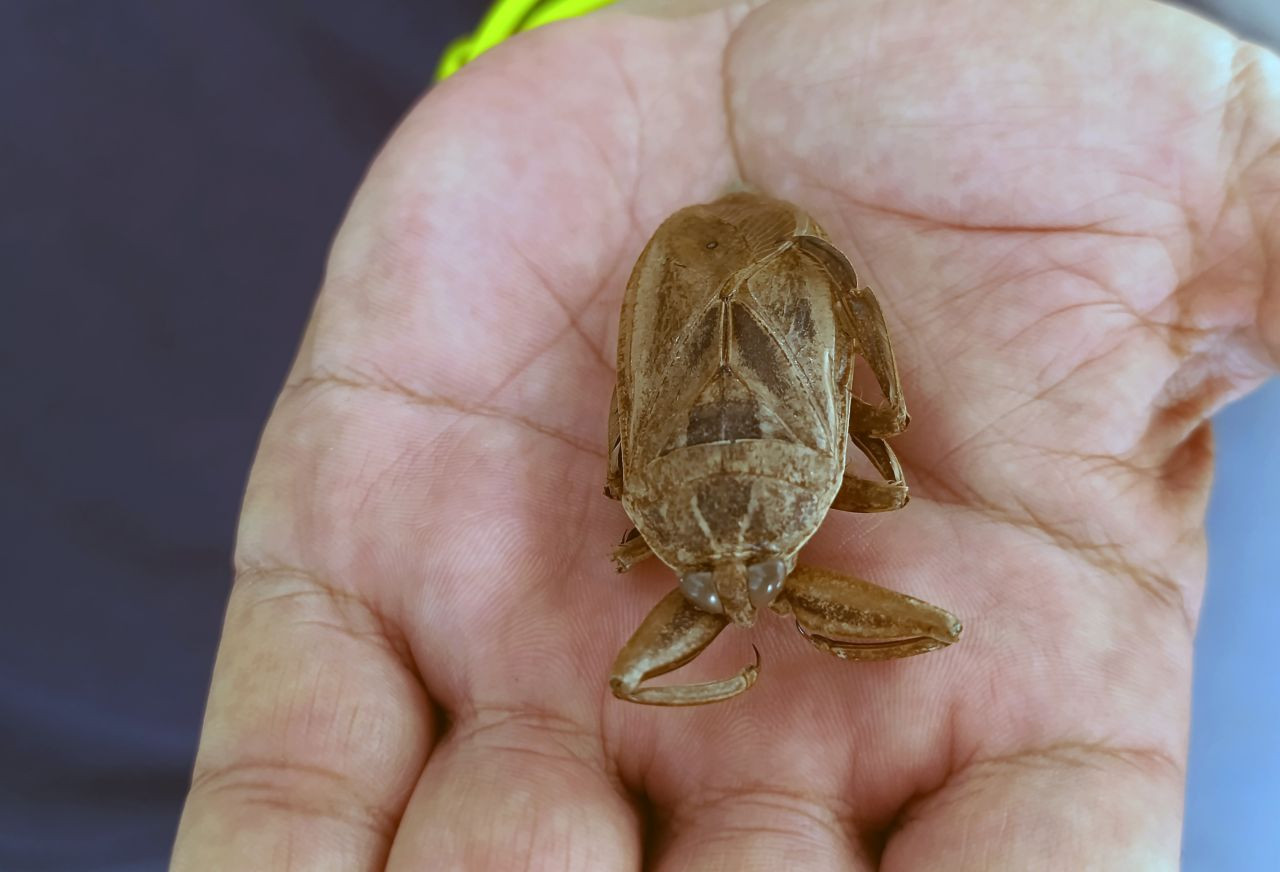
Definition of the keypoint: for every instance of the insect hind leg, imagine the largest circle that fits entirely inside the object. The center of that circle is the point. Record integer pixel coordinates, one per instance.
(863, 322)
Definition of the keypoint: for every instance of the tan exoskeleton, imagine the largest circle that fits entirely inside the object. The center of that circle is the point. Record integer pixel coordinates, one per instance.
(727, 441)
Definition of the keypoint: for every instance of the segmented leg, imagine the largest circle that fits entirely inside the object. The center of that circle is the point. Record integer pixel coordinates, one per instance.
(865, 495)
(613, 478)
(865, 323)
(675, 632)
(633, 550)
(858, 620)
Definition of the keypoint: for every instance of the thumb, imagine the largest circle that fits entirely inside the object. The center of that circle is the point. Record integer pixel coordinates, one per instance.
(1251, 210)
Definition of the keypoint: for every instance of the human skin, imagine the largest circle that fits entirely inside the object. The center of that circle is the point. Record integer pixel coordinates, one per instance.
(1069, 213)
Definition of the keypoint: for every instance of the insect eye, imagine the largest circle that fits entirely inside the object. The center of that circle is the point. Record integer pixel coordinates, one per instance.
(764, 581)
(712, 244)
(699, 590)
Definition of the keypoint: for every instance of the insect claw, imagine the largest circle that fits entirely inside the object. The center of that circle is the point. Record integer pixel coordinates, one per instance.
(856, 620)
(675, 632)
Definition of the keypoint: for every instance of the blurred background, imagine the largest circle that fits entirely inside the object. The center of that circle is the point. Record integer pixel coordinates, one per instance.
(170, 177)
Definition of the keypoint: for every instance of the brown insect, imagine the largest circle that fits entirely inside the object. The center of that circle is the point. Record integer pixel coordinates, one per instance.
(727, 440)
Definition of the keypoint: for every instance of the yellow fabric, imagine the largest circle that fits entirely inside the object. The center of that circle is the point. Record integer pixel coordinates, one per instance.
(507, 18)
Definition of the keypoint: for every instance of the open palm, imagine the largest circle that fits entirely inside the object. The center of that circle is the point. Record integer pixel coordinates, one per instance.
(1064, 208)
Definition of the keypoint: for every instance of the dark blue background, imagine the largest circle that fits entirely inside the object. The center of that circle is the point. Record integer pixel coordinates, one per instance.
(170, 176)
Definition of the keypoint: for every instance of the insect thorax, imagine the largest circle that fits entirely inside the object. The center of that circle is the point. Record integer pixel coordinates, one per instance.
(744, 500)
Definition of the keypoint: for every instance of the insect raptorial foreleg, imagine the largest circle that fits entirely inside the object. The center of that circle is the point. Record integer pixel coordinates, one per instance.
(675, 632)
(633, 550)
(864, 495)
(858, 620)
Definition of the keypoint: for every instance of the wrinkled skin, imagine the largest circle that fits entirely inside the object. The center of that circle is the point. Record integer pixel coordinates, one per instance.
(1077, 249)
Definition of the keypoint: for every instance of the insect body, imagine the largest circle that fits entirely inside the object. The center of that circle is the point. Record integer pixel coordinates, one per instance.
(727, 439)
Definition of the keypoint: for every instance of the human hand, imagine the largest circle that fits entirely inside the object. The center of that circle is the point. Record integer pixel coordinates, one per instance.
(1068, 212)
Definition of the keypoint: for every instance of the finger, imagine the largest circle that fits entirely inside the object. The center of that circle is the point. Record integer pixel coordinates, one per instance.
(759, 829)
(1070, 806)
(1253, 117)
(315, 732)
(518, 789)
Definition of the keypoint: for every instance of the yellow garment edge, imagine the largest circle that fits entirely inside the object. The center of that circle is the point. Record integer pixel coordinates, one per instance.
(507, 18)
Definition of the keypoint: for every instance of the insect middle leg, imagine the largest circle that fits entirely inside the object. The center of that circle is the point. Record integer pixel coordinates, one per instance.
(859, 494)
(633, 550)
(613, 474)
